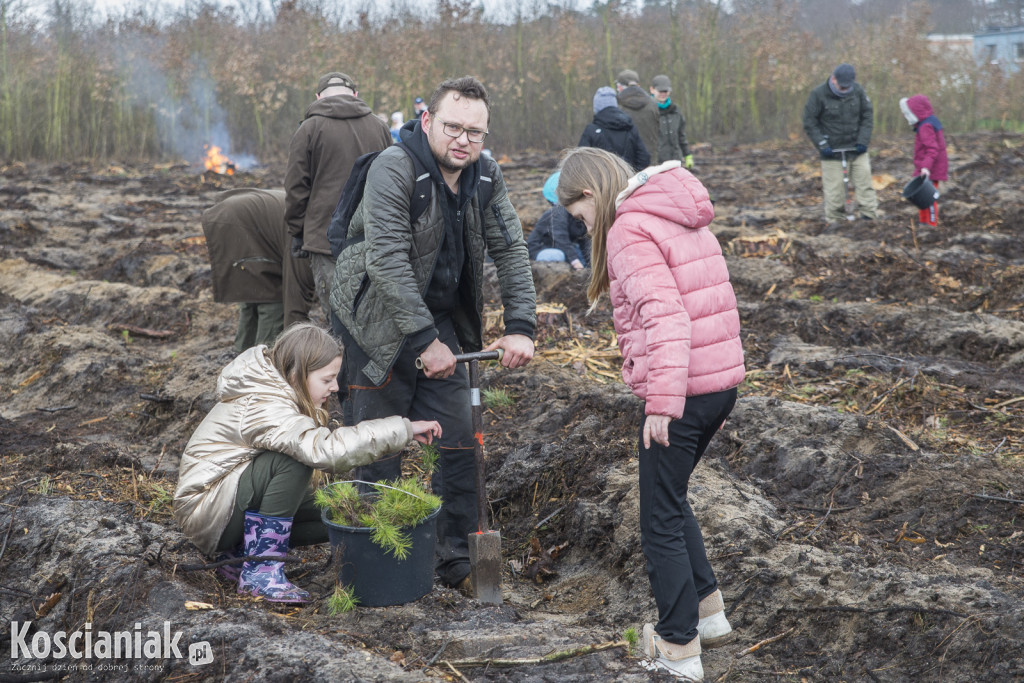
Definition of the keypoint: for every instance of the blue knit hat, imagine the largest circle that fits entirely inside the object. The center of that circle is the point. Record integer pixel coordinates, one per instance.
(604, 97)
(551, 187)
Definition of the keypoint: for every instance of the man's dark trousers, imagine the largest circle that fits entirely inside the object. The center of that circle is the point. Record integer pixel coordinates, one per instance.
(408, 392)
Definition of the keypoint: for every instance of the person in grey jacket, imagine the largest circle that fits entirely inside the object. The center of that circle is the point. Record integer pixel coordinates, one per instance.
(407, 292)
(337, 129)
(244, 478)
(838, 118)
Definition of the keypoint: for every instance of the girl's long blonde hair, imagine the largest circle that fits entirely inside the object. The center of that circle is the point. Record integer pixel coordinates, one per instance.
(299, 350)
(605, 175)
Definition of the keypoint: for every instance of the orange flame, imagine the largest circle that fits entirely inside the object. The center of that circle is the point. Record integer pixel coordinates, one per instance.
(217, 161)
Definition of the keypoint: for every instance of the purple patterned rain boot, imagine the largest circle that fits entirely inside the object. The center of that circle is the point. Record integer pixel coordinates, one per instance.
(268, 537)
(230, 572)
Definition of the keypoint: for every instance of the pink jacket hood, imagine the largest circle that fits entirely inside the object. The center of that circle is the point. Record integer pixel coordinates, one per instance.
(921, 106)
(674, 307)
(688, 205)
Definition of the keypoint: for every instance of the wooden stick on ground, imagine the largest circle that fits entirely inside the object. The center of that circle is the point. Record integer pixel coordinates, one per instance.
(546, 659)
(766, 641)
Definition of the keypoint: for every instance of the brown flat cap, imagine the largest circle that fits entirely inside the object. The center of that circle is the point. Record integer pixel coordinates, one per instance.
(628, 77)
(332, 79)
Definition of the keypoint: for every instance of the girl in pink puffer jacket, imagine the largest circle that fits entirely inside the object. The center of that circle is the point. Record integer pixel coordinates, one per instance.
(679, 333)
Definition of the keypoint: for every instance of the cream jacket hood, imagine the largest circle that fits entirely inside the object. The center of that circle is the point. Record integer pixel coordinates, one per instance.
(257, 411)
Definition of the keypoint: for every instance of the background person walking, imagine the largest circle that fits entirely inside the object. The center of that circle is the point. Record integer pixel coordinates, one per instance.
(675, 312)
(839, 116)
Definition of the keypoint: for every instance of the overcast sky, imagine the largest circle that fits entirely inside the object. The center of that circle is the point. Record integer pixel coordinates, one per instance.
(498, 10)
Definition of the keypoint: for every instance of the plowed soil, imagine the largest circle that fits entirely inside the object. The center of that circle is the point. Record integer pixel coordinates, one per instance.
(863, 506)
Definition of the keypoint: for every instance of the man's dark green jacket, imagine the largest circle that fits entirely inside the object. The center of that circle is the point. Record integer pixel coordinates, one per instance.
(841, 122)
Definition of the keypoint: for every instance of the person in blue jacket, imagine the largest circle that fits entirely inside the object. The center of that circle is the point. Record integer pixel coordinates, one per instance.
(557, 236)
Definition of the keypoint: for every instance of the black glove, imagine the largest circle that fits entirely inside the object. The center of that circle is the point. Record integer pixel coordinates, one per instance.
(861, 149)
(827, 153)
(297, 250)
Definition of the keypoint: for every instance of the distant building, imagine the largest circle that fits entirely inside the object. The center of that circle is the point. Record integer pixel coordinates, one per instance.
(1002, 47)
(959, 44)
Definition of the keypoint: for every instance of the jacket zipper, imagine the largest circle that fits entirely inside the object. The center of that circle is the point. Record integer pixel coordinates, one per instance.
(363, 286)
(501, 224)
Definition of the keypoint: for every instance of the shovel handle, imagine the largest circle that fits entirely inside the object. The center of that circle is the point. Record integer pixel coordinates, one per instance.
(496, 354)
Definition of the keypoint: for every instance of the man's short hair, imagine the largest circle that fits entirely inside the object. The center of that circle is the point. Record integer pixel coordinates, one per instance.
(467, 86)
(627, 77)
(335, 79)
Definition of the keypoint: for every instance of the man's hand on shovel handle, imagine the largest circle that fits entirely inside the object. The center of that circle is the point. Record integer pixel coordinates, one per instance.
(518, 350)
(438, 360)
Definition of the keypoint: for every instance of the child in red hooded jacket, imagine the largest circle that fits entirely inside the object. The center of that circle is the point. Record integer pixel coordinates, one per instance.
(929, 147)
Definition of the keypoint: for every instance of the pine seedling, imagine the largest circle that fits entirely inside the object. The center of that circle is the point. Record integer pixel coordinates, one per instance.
(632, 639)
(497, 398)
(342, 500)
(430, 456)
(398, 504)
(342, 600)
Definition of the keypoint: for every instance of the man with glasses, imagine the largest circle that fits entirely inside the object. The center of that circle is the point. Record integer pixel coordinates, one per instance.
(839, 118)
(412, 289)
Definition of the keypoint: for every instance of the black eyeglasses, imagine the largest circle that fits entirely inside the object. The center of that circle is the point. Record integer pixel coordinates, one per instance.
(454, 130)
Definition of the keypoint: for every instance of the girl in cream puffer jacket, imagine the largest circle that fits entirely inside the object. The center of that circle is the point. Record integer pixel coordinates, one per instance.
(243, 481)
(675, 313)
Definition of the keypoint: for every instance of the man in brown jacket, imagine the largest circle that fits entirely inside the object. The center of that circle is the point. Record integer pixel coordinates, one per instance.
(641, 108)
(251, 263)
(338, 128)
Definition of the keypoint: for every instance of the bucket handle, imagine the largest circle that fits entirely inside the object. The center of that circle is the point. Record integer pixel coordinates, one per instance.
(376, 484)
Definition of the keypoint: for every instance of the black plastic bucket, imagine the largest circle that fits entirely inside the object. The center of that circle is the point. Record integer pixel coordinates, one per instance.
(376, 577)
(920, 192)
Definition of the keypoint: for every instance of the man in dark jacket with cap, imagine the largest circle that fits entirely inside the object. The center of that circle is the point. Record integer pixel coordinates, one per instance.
(251, 263)
(338, 128)
(639, 106)
(613, 131)
(838, 119)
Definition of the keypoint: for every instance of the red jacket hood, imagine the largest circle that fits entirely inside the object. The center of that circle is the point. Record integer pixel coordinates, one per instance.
(920, 106)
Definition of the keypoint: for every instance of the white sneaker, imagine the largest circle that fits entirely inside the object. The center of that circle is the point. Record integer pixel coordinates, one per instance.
(681, 661)
(713, 628)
